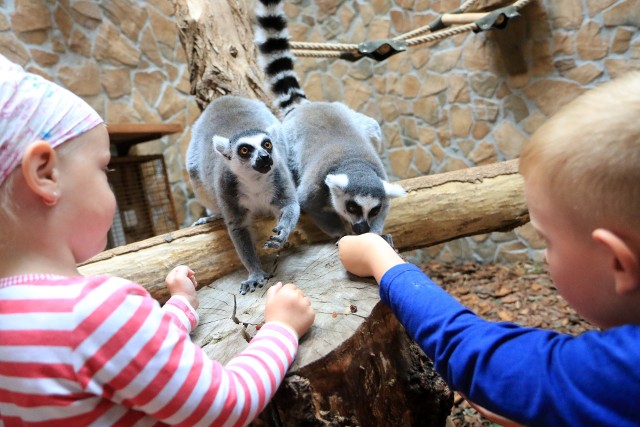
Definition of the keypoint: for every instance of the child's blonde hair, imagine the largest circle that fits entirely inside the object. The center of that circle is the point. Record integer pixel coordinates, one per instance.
(588, 155)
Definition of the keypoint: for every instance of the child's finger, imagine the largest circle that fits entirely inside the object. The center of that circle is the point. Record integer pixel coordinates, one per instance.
(293, 288)
(272, 291)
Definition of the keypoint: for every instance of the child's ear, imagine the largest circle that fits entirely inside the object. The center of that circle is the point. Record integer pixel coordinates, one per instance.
(39, 163)
(626, 264)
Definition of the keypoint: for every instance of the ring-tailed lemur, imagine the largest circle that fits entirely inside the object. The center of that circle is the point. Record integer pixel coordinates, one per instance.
(338, 173)
(237, 166)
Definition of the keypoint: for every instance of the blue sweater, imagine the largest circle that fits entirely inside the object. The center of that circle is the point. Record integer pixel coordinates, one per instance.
(531, 376)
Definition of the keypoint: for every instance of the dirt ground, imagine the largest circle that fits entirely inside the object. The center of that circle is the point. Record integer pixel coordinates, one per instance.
(521, 293)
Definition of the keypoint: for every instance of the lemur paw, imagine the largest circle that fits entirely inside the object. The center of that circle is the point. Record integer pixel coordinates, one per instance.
(255, 280)
(277, 240)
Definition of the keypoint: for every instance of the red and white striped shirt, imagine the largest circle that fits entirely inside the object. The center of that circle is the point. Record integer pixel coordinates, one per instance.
(100, 351)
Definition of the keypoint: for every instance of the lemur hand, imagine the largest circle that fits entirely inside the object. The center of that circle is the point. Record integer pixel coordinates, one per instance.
(287, 304)
(367, 255)
(182, 281)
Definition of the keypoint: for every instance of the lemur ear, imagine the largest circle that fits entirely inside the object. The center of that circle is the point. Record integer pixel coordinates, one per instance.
(221, 145)
(393, 190)
(337, 181)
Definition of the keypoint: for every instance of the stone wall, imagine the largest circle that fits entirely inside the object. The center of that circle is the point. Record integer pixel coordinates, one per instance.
(469, 100)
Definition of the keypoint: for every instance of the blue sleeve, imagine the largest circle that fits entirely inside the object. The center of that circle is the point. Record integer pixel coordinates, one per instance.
(531, 376)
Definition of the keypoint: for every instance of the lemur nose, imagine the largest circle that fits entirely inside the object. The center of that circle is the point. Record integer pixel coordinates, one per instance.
(265, 158)
(361, 227)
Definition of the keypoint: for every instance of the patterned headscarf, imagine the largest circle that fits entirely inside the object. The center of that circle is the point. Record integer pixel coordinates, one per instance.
(33, 108)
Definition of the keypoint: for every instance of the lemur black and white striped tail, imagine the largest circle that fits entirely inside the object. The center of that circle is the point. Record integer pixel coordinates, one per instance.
(276, 58)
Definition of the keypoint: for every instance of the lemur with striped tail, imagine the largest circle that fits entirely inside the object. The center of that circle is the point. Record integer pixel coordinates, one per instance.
(237, 163)
(341, 181)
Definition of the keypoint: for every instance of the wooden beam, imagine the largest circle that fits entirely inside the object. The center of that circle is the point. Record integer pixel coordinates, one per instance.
(125, 135)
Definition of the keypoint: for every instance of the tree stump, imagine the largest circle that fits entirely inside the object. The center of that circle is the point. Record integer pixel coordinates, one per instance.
(355, 367)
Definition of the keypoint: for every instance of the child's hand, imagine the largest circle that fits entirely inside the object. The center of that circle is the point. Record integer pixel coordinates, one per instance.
(367, 255)
(182, 281)
(287, 304)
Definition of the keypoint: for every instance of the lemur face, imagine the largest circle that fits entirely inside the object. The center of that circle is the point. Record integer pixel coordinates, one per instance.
(360, 211)
(250, 150)
(360, 201)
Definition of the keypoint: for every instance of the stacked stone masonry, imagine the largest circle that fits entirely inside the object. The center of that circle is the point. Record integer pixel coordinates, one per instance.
(468, 100)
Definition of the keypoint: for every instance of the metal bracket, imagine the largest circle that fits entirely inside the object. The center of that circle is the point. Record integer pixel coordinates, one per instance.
(377, 49)
(497, 19)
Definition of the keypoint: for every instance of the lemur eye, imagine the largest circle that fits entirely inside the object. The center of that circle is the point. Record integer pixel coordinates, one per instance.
(267, 144)
(375, 211)
(353, 208)
(244, 150)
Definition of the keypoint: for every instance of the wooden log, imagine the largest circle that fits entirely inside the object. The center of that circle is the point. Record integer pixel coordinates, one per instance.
(437, 208)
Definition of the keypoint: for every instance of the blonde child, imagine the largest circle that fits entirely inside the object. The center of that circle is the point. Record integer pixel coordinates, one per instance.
(582, 187)
(99, 350)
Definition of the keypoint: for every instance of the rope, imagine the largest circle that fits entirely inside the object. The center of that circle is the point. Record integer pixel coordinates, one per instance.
(309, 46)
(412, 38)
(320, 53)
(439, 35)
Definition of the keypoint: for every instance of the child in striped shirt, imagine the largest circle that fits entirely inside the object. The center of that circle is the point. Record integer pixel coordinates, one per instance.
(99, 350)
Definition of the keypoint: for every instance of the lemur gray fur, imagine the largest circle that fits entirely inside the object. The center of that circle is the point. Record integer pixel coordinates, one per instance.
(340, 178)
(237, 166)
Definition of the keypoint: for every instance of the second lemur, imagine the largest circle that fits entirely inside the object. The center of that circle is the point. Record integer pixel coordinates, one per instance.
(237, 166)
(340, 178)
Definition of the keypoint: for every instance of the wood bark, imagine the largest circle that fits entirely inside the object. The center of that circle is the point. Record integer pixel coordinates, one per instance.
(218, 41)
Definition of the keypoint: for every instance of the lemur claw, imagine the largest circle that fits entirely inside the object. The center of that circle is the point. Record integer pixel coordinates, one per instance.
(206, 219)
(255, 280)
(277, 241)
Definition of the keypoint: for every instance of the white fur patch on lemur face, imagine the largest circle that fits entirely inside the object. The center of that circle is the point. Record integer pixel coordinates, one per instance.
(366, 203)
(337, 181)
(255, 140)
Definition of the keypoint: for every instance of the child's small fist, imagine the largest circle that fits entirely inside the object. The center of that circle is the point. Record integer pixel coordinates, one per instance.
(367, 255)
(289, 305)
(182, 281)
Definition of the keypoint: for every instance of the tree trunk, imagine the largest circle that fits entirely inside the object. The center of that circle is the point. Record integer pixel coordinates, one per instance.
(437, 208)
(221, 54)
